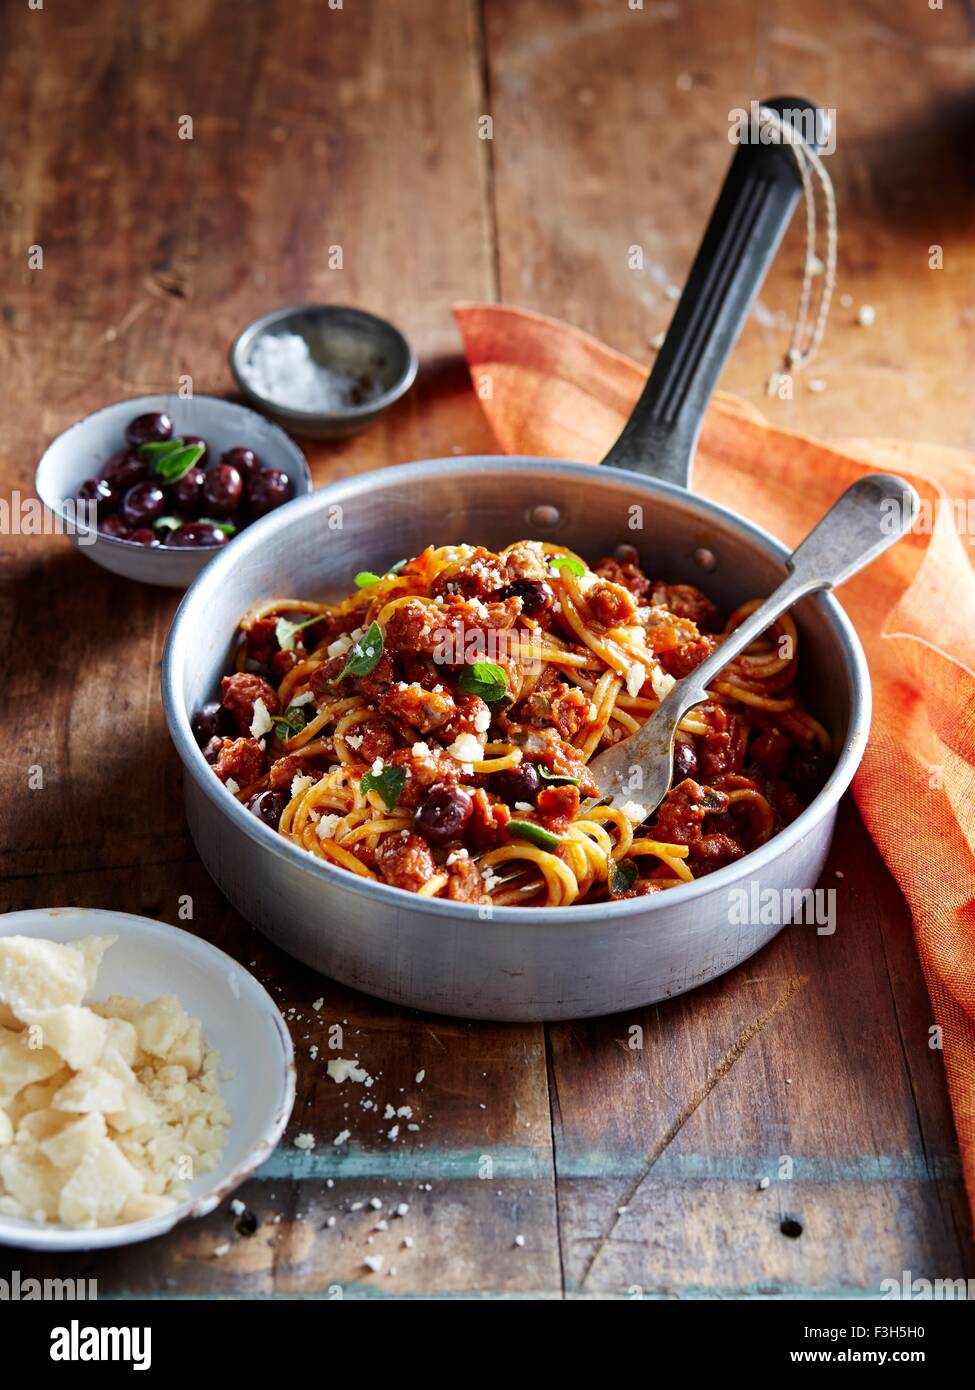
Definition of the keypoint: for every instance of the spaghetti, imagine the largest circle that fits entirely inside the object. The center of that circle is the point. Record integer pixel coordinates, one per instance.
(432, 730)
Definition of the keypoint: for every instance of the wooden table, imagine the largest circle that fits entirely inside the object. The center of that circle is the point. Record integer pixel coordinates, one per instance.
(358, 127)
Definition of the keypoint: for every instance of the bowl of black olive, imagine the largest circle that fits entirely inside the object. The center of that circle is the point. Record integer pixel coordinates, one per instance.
(152, 488)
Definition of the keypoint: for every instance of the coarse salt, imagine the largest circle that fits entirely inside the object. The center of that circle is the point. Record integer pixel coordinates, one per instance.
(282, 369)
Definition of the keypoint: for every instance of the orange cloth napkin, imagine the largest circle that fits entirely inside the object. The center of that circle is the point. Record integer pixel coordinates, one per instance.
(557, 392)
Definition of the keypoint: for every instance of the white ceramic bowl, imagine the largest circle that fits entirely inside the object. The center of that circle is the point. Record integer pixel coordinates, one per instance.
(239, 1019)
(81, 450)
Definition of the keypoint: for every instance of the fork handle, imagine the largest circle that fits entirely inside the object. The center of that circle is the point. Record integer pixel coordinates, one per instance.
(870, 516)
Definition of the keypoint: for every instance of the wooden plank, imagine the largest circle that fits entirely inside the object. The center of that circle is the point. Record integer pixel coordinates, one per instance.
(609, 133)
(611, 129)
(799, 1067)
(312, 127)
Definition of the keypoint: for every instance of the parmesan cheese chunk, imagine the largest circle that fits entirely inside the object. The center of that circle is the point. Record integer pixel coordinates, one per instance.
(75, 1033)
(99, 1187)
(104, 1110)
(635, 677)
(466, 749)
(160, 1024)
(663, 682)
(342, 1069)
(38, 975)
(21, 1064)
(93, 1088)
(262, 723)
(325, 830)
(68, 1146)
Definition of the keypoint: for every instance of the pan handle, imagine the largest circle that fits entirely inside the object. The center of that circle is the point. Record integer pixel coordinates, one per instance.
(749, 220)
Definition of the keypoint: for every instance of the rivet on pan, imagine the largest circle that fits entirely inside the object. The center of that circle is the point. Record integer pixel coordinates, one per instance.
(627, 555)
(705, 558)
(544, 516)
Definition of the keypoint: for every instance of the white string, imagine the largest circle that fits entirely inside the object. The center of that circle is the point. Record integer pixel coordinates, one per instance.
(806, 336)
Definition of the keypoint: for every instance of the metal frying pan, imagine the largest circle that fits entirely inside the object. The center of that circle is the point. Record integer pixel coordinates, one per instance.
(534, 963)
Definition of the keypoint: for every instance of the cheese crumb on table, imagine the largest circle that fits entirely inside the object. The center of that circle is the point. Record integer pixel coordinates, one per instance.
(118, 1106)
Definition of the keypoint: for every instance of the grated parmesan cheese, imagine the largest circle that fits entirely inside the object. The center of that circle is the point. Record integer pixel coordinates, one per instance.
(343, 1069)
(262, 723)
(466, 749)
(634, 812)
(662, 682)
(325, 829)
(635, 678)
(340, 646)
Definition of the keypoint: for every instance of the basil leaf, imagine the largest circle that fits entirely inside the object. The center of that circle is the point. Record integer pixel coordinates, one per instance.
(365, 579)
(364, 655)
(536, 834)
(485, 679)
(555, 779)
(388, 783)
(286, 631)
(178, 462)
(166, 523)
(570, 563)
(622, 876)
(290, 723)
(227, 527)
(158, 448)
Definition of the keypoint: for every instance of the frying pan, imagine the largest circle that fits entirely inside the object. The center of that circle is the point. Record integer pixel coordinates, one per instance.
(522, 963)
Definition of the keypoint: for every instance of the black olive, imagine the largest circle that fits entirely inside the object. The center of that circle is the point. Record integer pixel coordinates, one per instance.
(685, 761)
(211, 721)
(442, 814)
(149, 429)
(268, 806)
(535, 594)
(521, 783)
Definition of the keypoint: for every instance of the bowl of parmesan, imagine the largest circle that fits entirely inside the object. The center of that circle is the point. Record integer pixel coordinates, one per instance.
(144, 1075)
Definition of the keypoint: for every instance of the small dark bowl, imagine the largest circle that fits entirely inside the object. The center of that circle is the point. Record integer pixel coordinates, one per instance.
(345, 339)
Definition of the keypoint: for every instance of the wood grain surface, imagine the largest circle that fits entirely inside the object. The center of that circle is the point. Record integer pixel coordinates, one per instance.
(629, 1153)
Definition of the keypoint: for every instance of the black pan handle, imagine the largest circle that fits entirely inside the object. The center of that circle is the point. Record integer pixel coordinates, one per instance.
(749, 220)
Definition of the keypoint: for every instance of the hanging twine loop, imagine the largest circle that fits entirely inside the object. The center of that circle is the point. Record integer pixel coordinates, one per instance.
(807, 334)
